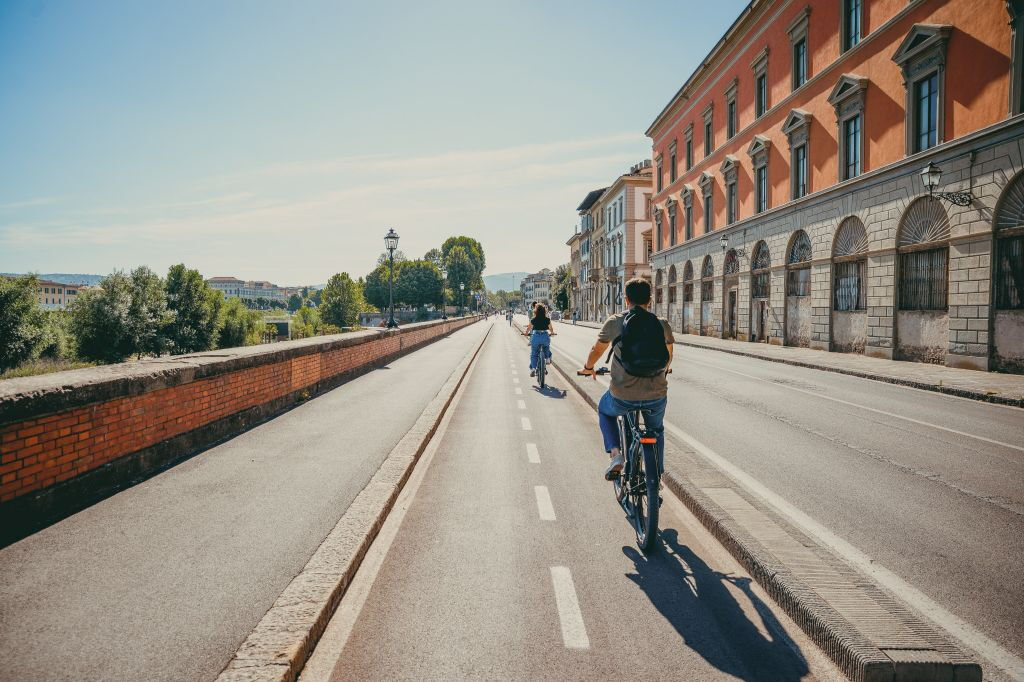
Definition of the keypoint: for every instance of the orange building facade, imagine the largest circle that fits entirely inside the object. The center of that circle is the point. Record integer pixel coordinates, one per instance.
(789, 201)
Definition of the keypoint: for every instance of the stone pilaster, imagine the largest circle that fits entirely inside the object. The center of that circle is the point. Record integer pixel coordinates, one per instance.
(881, 305)
(821, 305)
(969, 303)
(777, 314)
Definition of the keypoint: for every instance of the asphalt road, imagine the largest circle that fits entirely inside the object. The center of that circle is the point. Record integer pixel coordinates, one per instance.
(929, 486)
(164, 580)
(513, 561)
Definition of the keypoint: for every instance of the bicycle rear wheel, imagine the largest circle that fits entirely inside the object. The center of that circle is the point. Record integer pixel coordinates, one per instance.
(645, 499)
(542, 367)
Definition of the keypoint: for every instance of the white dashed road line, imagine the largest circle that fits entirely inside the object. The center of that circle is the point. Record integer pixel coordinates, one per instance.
(521, 404)
(519, 391)
(544, 508)
(574, 632)
(532, 454)
(526, 424)
(515, 380)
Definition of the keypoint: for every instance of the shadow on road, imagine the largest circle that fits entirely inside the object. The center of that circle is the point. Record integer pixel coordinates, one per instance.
(550, 391)
(696, 601)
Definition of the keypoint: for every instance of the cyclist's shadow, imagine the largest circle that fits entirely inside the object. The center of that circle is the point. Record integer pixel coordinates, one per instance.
(550, 391)
(705, 613)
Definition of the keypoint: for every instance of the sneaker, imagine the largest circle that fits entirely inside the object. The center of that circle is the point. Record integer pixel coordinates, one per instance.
(533, 373)
(614, 468)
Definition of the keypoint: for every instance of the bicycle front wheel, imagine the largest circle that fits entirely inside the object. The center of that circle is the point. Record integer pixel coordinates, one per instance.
(646, 500)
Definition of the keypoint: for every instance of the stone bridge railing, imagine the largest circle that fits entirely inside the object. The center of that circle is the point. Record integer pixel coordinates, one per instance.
(71, 438)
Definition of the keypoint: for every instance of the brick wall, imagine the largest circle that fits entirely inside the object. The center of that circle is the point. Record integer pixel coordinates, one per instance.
(68, 438)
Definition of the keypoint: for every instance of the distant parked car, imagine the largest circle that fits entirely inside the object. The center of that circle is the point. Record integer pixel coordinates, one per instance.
(556, 314)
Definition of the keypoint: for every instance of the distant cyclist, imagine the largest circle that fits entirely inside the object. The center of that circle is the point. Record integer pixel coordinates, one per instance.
(641, 358)
(539, 330)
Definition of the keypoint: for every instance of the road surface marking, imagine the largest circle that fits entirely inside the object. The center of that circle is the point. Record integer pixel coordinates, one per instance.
(574, 632)
(521, 404)
(544, 508)
(970, 636)
(328, 650)
(870, 409)
(514, 372)
(519, 391)
(532, 454)
(526, 424)
(515, 380)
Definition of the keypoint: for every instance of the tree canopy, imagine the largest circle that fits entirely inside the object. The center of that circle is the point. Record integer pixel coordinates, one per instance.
(419, 283)
(341, 301)
(194, 311)
(21, 320)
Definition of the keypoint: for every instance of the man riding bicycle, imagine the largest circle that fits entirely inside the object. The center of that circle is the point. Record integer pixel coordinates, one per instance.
(641, 356)
(539, 330)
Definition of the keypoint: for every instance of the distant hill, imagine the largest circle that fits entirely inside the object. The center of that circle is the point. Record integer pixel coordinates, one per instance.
(65, 278)
(507, 281)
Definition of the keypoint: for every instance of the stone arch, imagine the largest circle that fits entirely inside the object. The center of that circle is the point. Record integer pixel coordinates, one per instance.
(851, 239)
(1008, 278)
(707, 267)
(707, 296)
(922, 282)
(730, 294)
(671, 298)
(732, 263)
(762, 258)
(657, 290)
(799, 249)
(760, 293)
(687, 315)
(849, 287)
(797, 327)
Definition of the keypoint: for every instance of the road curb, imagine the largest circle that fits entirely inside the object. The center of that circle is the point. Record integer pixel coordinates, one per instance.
(873, 376)
(830, 629)
(277, 648)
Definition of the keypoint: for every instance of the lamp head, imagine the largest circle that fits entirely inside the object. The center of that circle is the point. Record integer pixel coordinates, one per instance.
(724, 241)
(391, 240)
(930, 177)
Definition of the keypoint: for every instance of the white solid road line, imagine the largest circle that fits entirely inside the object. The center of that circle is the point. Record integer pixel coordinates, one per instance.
(969, 635)
(521, 404)
(526, 424)
(574, 632)
(329, 649)
(532, 454)
(973, 638)
(865, 407)
(544, 508)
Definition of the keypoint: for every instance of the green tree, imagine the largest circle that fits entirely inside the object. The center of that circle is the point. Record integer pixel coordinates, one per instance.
(21, 320)
(342, 301)
(240, 326)
(563, 286)
(305, 323)
(123, 318)
(383, 258)
(375, 289)
(194, 311)
(294, 303)
(474, 251)
(58, 339)
(436, 257)
(419, 283)
(460, 270)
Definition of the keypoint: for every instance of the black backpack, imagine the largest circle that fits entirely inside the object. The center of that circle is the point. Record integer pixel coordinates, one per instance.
(642, 349)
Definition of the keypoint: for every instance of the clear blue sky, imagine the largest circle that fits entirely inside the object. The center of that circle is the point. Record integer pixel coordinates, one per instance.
(280, 140)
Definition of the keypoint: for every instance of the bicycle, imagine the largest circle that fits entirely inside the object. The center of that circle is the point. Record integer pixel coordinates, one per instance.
(542, 363)
(637, 485)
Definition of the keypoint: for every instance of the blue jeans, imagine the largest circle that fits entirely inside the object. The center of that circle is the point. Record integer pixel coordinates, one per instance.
(539, 340)
(611, 407)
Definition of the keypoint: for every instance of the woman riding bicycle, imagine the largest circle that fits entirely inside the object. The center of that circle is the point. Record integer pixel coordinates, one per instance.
(539, 330)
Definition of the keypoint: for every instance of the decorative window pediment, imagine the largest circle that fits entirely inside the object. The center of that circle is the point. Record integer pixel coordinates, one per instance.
(672, 147)
(688, 133)
(922, 49)
(730, 92)
(686, 194)
(797, 127)
(706, 180)
(758, 150)
(760, 62)
(708, 111)
(797, 28)
(848, 94)
(671, 208)
(728, 168)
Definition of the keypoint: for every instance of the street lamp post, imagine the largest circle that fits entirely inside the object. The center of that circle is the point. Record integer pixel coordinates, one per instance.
(391, 242)
(462, 298)
(931, 175)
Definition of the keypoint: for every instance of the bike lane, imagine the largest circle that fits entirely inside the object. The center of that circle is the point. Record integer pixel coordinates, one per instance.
(514, 561)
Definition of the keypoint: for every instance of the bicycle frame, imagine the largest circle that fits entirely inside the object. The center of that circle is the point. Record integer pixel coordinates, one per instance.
(637, 487)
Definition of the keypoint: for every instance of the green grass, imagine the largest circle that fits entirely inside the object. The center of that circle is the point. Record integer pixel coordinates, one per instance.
(43, 367)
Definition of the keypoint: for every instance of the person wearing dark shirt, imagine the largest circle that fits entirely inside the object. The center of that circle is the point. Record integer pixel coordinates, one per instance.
(540, 330)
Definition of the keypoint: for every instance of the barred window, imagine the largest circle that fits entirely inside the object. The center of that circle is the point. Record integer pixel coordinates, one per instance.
(923, 280)
(657, 295)
(1010, 273)
(707, 291)
(687, 292)
(760, 285)
(798, 282)
(850, 293)
(672, 293)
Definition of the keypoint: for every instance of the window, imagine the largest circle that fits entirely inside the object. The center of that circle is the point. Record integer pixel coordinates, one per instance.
(671, 222)
(848, 278)
(922, 283)
(798, 265)
(799, 63)
(799, 171)
(661, 171)
(1010, 273)
(732, 119)
(760, 285)
(850, 28)
(688, 136)
(926, 93)
(709, 130)
(687, 292)
(760, 281)
(762, 189)
(851, 147)
(707, 291)
(672, 163)
(730, 203)
(657, 229)
(798, 282)
(1016, 10)
(760, 95)
(709, 212)
(689, 222)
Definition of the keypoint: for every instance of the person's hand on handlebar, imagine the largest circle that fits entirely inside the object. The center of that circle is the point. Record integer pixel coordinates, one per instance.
(587, 372)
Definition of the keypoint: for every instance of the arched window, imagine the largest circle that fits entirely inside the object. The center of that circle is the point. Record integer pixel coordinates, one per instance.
(672, 284)
(923, 244)
(732, 263)
(760, 280)
(657, 287)
(1009, 232)
(688, 282)
(798, 265)
(707, 285)
(849, 266)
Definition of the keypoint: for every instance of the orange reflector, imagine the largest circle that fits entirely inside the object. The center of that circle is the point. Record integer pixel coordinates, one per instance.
(650, 441)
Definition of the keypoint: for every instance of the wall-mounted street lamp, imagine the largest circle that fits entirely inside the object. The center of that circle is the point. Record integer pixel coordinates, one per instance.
(724, 241)
(931, 175)
(391, 243)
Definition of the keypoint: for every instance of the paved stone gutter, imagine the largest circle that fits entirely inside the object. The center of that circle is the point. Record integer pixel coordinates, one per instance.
(870, 635)
(992, 387)
(282, 641)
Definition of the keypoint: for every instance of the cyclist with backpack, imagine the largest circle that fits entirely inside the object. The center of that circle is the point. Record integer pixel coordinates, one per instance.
(641, 356)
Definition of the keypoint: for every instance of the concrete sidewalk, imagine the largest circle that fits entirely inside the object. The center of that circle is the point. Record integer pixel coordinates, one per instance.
(1007, 389)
